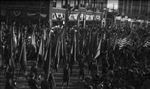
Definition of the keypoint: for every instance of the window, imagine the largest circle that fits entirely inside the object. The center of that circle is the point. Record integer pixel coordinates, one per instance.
(63, 3)
(54, 3)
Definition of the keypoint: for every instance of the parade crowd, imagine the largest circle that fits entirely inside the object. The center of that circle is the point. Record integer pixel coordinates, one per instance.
(123, 54)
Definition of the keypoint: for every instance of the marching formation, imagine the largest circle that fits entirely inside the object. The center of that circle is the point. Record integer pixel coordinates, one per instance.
(123, 54)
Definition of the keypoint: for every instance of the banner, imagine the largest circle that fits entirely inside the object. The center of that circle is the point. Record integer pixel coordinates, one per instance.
(43, 15)
(54, 16)
(17, 13)
(60, 16)
(89, 17)
(81, 17)
(37, 14)
(118, 18)
(73, 16)
(31, 14)
(97, 17)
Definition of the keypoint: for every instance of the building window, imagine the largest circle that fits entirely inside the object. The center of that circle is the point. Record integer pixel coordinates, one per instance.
(54, 3)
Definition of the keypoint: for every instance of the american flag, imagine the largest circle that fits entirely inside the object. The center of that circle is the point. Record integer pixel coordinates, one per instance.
(147, 43)
(124, 42)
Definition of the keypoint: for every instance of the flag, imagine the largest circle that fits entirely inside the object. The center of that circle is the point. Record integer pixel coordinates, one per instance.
(98, 49)
(58, 47)
(22, 58)
(19, 34)
(20, 41)
(146, 44)
(124, 42)
(115, 41)
(33, 42)
(13, 45)
(40, 54)
(65, 50)
(75, 47)
(62, 55)
(88, 43)
(47, 57)
(47, 61)
(14, 39)
(47, 46)
(58, 50)
(95, 44)
(1, 47)
(44, 34)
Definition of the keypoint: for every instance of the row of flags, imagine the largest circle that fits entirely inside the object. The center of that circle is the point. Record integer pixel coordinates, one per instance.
(58, 47)
(16, 43)
(62, 43)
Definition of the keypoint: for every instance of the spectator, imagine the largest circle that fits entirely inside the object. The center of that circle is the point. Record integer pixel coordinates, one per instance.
(32, 82)
(45, 84)
(65, 75)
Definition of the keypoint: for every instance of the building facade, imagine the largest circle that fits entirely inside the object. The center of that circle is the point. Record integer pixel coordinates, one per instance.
(85, 10)
(88, 10)
(134, 8)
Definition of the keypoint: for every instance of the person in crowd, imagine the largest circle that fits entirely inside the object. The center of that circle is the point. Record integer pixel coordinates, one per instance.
(94, 67)
(9, 84)
(34, 70)
(87, 83)
(71, 63)
(66, 75)
(32, 81)
(105, 65)
(81, 70)
(51, 80)
(146, 84)
(9, 73)
(45, 83)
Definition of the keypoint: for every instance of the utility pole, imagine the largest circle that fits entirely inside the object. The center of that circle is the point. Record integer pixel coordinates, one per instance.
(94, 10)
(66, 15)
(78, 19)
(102, 13)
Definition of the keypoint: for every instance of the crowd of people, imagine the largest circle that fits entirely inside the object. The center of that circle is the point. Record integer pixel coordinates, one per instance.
(123, 54)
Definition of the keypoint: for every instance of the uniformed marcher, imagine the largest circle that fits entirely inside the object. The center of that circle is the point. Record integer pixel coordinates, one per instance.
(81, 70)
(34, 70)
(9, 84)
(51, 80)
(32, 82)
(66, 75)
(45, 84)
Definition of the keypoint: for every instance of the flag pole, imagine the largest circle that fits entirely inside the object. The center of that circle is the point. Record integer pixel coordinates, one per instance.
(66, 14)
(50, 13)
(40, 16)
(78, 19)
